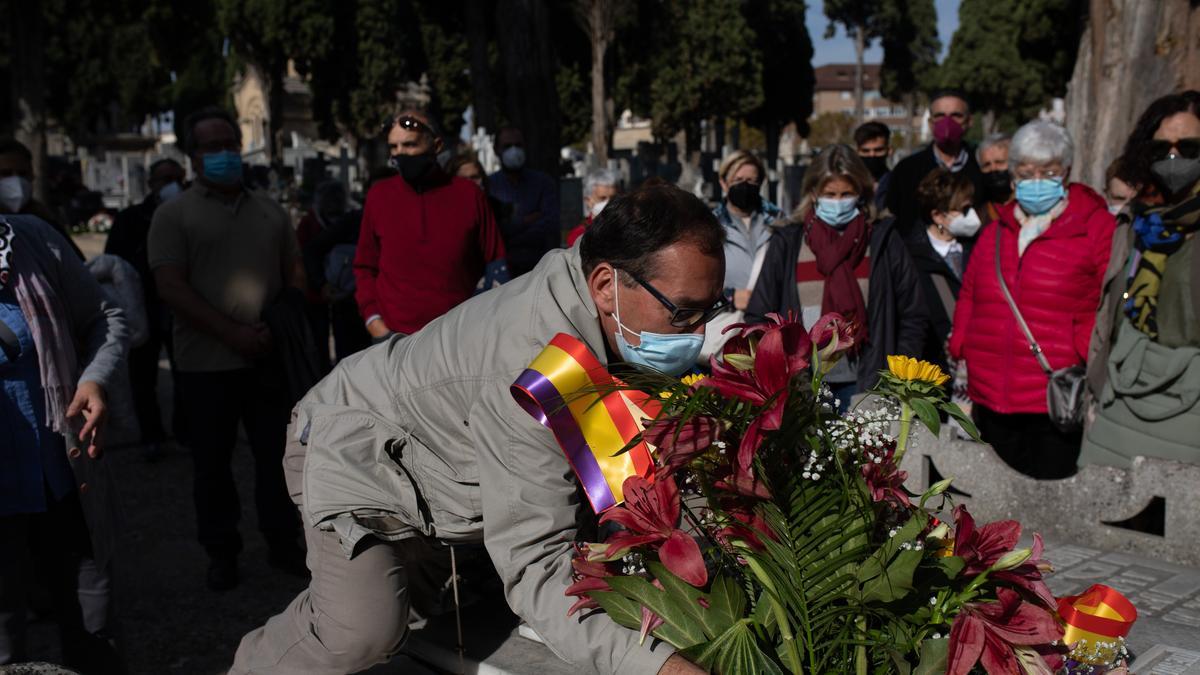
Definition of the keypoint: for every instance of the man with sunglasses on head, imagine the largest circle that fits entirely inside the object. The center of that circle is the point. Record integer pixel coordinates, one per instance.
(417, 444)
(949, 121)
(427, 237)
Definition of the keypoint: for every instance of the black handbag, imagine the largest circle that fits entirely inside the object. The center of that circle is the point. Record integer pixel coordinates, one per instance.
(1064, 393)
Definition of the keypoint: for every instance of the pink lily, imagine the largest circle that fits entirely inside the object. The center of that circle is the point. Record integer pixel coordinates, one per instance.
(986, 632)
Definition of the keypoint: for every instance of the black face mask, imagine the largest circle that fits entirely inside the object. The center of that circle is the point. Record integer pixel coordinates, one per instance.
(999, 186)
(876, 165)
(745, 196)
(413, 167)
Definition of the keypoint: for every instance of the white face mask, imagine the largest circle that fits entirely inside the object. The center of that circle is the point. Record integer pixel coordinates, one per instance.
(598, 207)
(1115, 208)
(15, 192)
(964, 225)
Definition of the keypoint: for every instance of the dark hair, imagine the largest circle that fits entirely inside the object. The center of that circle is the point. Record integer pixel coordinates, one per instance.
(870, 131)
(946, 92)
(162, 162)
(941, 190)
(1119, 169)
(11, 146)
(459, 161)
(201, 115)
(1136, 157)
(635, 226)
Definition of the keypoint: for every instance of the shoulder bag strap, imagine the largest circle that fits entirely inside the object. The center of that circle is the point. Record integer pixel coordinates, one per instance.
(1012, 304)
(945, 294)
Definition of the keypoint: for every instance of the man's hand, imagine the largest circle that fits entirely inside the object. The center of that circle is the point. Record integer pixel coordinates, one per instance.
(89, 401)
(251, 340)
(677, 665)
(378, 329)
(741, 299)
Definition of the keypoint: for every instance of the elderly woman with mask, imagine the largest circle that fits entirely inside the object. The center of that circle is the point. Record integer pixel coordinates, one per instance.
(61, 344)
(1145, 370)
(1053, 245)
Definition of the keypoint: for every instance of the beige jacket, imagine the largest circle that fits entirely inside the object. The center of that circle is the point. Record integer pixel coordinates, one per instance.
(420, 436)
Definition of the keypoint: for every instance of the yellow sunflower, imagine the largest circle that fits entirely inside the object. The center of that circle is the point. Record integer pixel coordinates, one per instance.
(689, 380)
(910, 370)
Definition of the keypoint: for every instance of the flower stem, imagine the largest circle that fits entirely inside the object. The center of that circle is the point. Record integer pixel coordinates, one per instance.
(906, 416)
(860, 652)
(785, 627)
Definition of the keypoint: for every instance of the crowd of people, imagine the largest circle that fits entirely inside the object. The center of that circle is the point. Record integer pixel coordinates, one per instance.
(1067, 316)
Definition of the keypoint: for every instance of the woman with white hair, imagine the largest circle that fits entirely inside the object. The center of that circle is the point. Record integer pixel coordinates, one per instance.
(599, 187)
(1053, 244)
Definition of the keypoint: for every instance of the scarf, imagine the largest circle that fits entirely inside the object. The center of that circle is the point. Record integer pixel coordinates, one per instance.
(1033, 227)
(1158, 233)
(58, 364)
(838, 254)
(6, 241)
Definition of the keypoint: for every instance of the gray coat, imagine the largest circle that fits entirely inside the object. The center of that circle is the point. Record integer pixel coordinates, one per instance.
(98, 328)
(420, 436)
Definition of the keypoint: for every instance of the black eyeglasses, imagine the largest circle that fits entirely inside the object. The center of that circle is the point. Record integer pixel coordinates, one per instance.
(1188, 148)
(407, 123)
(683, 317)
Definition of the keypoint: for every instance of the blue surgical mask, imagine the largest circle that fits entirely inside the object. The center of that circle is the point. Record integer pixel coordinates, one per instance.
(1038, 195)
(837, 213)
(670, 354)
(169, 191)
(223, 168)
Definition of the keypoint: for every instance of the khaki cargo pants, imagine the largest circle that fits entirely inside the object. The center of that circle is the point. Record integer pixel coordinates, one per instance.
(355, 612)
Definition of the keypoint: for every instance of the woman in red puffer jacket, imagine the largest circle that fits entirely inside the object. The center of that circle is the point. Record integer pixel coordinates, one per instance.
(1055, 241)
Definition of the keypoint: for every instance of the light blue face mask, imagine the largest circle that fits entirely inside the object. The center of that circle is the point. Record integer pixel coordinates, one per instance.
(1038, 195)
(837, 213)
(223, 168)
(671, 354)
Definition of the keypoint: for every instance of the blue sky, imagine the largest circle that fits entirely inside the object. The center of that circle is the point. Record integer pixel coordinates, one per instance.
(840, 49)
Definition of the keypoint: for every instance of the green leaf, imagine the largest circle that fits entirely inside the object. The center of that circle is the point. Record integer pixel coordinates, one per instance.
(933, 657)
(727, 603)
(950, 565)
(671, 609)
(887, 574)
(927, 414)
(964, 421)
(734, 652)
(619, 608)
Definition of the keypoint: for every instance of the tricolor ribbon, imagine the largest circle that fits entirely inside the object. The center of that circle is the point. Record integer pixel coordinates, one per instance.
(1097, 621)
(562, 389)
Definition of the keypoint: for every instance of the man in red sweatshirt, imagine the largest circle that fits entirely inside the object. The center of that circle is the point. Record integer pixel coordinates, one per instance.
(427, 237)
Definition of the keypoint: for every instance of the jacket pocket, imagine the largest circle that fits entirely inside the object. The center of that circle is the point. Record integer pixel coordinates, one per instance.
(349, 468)
(450, 496)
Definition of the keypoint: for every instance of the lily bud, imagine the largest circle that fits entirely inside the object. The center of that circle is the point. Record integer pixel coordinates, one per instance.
(1011, 559)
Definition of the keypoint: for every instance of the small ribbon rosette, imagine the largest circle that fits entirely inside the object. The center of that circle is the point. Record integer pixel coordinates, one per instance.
(568, 390)
(1097, 622)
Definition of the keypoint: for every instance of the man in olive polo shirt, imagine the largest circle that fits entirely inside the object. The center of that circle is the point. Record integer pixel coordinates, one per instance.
(220, 254)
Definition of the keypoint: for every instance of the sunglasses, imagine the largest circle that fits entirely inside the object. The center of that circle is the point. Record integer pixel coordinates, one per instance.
(407, 123)
(1188, 148)
(683, 317)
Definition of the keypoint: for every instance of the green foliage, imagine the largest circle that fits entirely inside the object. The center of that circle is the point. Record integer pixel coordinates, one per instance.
(705, 66)
(831, 127)
(447, 60)
(782, 40)
(910, 47)
(1012, 56)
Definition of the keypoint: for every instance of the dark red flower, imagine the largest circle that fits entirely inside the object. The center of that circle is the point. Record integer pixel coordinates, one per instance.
(982, 547)
(743, 482)
(782, 349)
(589, 576)
(678, 442)
(885, 481)
(1028, 575)
(832, 335)
(649, 515)
(746, 526)
(986, 632)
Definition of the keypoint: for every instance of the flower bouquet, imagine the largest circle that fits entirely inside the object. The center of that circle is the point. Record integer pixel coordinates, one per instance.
(771, 535)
